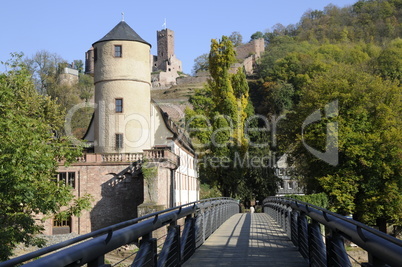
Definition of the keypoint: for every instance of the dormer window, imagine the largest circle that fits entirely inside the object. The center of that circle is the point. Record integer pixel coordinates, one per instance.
(118, 51)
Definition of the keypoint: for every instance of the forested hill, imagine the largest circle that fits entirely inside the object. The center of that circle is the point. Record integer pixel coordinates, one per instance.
(348, 60)
(365, 35)
(368, 21)
(377, 21)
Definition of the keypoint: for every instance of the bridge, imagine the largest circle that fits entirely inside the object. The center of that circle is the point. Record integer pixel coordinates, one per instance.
(213, 232)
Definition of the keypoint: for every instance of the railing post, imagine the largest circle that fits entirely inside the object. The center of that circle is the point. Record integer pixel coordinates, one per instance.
(277, 216)
(207, 223)
(336, 253)
(98, 262)
(213, 218)
(288, 223)
(283, 212)
(170, 254)
(147, 254)
(374, 261)
(302, 230)
(294, 218)
(317, 253)
(199, 229)
(188, 239)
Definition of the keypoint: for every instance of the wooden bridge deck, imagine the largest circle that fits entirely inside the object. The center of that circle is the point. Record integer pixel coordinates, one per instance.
(247, 240)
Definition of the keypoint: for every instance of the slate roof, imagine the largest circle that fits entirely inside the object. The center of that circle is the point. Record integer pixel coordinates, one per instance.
(122, 31)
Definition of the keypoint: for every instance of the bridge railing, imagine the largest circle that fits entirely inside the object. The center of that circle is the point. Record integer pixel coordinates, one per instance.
(202, 218)
(303, 223)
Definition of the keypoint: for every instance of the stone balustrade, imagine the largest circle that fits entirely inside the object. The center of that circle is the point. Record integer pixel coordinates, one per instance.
(162, 155)
(150, 154)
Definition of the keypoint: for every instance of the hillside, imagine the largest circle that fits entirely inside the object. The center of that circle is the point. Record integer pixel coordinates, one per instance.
(174, 100)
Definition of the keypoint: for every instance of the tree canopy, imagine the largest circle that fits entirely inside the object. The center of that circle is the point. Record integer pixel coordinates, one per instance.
(349, 58)
(29, 153)
(47, 70)
(218, 125)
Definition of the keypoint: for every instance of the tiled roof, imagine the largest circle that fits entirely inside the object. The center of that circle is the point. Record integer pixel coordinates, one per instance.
(122, 31)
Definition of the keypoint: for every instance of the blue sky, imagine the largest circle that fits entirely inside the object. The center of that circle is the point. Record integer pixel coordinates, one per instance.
(69, 28)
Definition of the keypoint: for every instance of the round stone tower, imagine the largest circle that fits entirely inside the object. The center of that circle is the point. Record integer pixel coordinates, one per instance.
(122, 78)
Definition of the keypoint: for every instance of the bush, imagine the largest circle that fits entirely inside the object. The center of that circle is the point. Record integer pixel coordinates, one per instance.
(207, 191)
(320, 199)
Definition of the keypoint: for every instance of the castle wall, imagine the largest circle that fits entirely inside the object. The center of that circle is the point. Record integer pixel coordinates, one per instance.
(254, 47)
(115, 199)
(191, 80)
(249, 64)
(68, 77)
(89, 62)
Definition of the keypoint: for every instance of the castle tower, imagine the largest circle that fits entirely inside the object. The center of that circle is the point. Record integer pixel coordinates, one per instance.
(89, 62)
(165, 42)
(122, 92)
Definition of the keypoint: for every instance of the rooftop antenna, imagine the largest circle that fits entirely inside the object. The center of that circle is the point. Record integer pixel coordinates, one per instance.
(122, 16)
(164, 25)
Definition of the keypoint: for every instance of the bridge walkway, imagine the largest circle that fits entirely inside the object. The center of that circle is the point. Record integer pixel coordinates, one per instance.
(247, 240)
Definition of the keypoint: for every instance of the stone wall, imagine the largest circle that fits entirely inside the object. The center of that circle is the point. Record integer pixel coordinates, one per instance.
(254, 47)
(119, 189)
(249, 53)
(116, 195)
(68, 77)
(192, 80)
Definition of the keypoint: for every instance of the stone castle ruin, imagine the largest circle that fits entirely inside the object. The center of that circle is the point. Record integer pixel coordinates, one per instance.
(248, 54)
(167, 69)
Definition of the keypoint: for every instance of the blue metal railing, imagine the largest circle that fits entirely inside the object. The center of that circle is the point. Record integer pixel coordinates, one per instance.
(302, 222)
(202, 218)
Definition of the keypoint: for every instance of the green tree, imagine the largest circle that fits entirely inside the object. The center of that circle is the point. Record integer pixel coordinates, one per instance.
(236, 38)
(367, 179)
(86, 86)
(257, 35)
(218, 122)
(390, 61)
(79, 65)
(201, 63)
(29, 155)
(44, 69)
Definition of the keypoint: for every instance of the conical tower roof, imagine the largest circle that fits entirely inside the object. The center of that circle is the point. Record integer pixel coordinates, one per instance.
(122, 31)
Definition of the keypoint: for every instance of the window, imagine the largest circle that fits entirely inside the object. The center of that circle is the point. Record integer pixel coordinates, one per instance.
(290, 185)
(61, 222)
(66, 178)
(119, 105)
(119, 141)
(118, 52)
(61, 226)
(281, 184)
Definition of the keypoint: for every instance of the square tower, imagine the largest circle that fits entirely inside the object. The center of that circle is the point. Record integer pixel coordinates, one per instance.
(165, 41)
